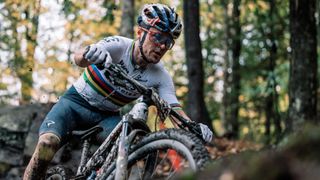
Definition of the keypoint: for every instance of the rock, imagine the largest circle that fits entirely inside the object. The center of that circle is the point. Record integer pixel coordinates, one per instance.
(32, 136)
(296, 159)
(15, 173)
(15, 123)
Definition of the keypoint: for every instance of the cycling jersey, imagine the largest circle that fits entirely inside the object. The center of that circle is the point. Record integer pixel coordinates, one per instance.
(100, 89)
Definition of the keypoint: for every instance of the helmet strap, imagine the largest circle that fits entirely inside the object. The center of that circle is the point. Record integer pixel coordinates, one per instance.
(141, 49)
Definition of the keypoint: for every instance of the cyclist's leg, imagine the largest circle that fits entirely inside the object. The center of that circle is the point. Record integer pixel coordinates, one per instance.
(47, 146)
(53, 131)
(108, 124)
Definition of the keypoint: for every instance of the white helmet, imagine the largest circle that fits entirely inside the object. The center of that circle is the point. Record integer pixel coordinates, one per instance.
(161, 17)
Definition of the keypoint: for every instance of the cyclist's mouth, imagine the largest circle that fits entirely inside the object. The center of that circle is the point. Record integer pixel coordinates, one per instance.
(157, 54)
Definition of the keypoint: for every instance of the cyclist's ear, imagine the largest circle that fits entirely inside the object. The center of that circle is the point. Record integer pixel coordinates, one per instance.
(139, 32)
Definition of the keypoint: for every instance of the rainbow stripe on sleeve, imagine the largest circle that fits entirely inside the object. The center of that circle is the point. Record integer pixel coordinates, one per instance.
(93, 77)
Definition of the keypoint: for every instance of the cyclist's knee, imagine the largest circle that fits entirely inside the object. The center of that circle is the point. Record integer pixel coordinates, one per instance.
(48, 144)
(49, 140)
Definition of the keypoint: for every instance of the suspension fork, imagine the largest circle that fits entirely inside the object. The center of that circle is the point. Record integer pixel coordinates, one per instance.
(122, 158)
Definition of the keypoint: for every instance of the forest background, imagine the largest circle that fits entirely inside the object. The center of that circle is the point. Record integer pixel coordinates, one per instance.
(247, 68)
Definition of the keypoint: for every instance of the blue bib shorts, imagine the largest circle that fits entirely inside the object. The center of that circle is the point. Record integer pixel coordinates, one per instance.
(72, 112)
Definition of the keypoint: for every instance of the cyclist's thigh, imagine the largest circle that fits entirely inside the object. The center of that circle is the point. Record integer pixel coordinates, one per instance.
(108, 124)
(60, 120)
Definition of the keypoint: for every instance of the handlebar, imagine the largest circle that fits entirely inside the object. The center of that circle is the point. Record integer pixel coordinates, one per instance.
(163, 107)
(159, 102)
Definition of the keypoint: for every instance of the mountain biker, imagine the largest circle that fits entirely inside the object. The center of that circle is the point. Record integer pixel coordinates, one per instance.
(96, 99)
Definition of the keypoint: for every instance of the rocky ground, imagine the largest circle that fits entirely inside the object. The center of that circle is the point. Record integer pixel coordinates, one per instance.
(296, 158)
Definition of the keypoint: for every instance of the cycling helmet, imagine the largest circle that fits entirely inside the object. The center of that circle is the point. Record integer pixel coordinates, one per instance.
(161, 17)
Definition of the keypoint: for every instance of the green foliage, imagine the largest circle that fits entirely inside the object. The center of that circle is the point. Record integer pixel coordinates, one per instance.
(84, 25)
(3, 86)
(110, 8)
(257, 81)
(68, 7)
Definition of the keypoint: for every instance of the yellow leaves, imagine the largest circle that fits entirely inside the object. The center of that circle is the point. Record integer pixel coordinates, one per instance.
(241, 98)
(15, 14)
(251, 6)
(261, 5)
(249, 113)
(260, 80)
(284, 104)
(181, 91)
(6, 71)
(93, 26)
(56, 75)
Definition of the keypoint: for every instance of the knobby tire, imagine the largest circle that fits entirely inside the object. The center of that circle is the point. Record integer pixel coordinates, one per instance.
(186, 144)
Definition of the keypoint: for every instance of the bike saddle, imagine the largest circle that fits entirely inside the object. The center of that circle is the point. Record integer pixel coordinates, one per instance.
(85, 134)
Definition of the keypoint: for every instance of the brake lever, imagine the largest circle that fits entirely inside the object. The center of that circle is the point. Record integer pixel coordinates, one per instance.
(191, 125)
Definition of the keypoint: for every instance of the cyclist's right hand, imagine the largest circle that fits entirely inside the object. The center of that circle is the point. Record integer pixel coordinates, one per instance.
(96, 54)
(206, 132)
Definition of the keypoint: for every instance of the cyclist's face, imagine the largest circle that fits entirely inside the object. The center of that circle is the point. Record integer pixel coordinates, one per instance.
(156, 44)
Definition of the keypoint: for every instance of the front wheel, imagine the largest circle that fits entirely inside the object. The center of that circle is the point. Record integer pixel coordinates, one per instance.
(164, 154)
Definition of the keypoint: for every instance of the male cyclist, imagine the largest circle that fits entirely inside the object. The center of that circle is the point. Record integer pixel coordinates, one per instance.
(95, 99)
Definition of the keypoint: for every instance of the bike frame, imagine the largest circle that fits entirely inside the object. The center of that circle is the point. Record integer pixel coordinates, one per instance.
(122, 138)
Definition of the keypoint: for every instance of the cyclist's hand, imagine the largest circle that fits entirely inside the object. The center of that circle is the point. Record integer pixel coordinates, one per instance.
(206, 132)
(96, 54)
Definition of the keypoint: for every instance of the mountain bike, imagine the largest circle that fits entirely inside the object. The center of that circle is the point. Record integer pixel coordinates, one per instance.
(132, 151)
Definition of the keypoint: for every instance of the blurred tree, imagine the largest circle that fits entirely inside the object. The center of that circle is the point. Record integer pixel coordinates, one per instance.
(212, 37)
(264, 38)
(232, 68)
(84, 22)
(79, 26)
(127, 19)
(271, 105)
(197, 110)
(23, 17)
(303, 66)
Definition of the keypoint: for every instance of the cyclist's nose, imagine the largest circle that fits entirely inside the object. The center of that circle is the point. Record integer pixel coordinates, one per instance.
(163, 46)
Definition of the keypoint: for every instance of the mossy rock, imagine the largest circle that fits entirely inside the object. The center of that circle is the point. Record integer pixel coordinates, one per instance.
(298, 158)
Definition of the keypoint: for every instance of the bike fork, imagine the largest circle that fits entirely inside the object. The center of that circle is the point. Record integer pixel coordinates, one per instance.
(122, 159)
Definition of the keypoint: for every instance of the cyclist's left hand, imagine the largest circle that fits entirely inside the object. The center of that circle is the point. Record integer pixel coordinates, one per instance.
(97, 54)
(206, 132)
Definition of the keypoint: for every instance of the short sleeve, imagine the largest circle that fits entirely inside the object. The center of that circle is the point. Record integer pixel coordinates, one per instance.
(166, 89)
(116, 46)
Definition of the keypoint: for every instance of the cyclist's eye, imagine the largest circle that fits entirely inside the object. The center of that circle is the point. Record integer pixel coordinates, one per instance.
(158, 37)
(162, 39)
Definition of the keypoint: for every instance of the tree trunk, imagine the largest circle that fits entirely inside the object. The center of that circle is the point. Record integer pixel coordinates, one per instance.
(232, 68)
(127, 18)
(272, 112)
(303, 65)
(196, 106)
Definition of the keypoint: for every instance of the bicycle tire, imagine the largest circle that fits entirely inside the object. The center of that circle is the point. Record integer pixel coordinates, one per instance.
(183, 142)
(58, 173)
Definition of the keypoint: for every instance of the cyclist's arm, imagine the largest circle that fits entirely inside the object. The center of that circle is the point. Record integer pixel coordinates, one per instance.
(182, 113)
(167, 92)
